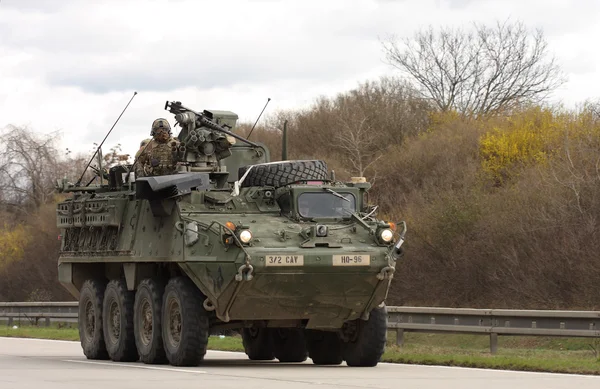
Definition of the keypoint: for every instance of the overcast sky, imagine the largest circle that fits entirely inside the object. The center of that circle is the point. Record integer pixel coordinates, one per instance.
(72, 65)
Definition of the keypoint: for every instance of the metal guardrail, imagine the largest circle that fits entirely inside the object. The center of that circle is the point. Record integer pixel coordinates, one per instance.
(32, 312)
(491, 322)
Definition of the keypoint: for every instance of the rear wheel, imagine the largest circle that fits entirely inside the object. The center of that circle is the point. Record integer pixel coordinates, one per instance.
(90, 320)
(258, 343)
(289, 345)
(147, 318)
(364, 341)
(324, 347)
(185, 324)
(117, 312)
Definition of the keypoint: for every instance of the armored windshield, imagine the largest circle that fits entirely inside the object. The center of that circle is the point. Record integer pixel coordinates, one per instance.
(326, 204)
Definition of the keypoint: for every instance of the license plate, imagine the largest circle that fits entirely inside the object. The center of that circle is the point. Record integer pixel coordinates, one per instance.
(284, 260)
(352, 260)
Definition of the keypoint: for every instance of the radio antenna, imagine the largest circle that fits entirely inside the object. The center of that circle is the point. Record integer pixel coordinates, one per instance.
(113, 126)
(261, 112)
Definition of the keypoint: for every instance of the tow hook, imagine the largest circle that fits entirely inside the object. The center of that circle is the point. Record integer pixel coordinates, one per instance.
(386, 272)
(244, 272)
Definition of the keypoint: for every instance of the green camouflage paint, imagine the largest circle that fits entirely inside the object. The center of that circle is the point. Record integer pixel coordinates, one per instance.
(275, 244)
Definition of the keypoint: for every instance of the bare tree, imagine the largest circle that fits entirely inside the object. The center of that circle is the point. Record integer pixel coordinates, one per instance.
(30, 165)
(27, 163)
(357, 140)
(484, 71)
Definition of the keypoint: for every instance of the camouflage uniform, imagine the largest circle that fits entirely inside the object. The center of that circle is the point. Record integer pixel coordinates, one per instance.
(159, 156)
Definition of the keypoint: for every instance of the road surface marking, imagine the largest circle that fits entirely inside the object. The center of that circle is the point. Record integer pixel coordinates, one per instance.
(136, 366)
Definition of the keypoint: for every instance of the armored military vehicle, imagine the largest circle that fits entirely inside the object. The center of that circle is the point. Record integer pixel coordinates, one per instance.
(281, 252)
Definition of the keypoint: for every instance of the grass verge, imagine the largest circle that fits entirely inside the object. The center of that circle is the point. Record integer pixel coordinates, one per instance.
(544, 354)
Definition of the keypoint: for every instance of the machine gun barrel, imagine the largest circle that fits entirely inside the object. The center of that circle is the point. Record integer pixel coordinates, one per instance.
(176, 108)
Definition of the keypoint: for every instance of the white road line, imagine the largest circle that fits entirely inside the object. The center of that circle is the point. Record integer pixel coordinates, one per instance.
(136, 366)
(525, 372)
(40, 339)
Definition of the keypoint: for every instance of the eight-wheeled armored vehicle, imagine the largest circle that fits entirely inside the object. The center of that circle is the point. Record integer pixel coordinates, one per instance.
(281, 252)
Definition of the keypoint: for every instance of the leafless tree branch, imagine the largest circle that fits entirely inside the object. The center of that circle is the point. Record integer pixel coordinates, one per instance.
(485, 71)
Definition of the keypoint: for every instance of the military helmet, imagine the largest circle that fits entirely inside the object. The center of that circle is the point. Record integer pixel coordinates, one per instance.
(160, 123)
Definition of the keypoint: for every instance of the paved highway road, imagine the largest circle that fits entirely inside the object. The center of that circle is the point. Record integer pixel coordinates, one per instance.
(32, 363)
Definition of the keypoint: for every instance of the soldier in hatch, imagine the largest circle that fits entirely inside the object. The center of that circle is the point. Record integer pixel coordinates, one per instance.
(157, 155)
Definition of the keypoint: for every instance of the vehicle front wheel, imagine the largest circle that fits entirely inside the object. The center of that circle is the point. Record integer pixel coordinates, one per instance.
(185, 324)
(364, 341)
(258, 343)
(324, 347)
(289, 345)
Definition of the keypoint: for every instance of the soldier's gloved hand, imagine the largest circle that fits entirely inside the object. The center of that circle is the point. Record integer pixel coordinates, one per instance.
(154, 162)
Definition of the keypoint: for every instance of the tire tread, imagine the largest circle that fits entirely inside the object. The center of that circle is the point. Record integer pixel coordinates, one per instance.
(195, 328)
(284, 173)
(155, 288)
(126, 350)
(370, 345)
(97, 349)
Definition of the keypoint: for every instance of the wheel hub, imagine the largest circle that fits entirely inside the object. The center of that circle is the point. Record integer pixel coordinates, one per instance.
(90, 320)
(147, 323)
(114, 319)
(174, 333)
(349, 332)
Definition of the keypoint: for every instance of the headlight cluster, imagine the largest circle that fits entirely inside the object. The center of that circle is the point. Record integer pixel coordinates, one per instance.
(242, 233)
(245, 236)
(385, 234)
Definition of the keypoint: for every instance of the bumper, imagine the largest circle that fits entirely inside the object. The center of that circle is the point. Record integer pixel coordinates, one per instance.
(324, 286)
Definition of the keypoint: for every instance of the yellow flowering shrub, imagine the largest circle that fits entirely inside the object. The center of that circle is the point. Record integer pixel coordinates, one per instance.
(12, 243)
(528, 137)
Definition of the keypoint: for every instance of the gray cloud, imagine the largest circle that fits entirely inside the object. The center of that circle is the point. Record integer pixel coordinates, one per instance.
(67, 28)
(103, 60)
(78, 61)
(109, 46)
(44, 6)
(222, 70)
(91, 47)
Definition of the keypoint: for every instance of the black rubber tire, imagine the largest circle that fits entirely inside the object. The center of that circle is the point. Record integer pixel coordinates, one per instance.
(120, 348)
(283, 173)
(149, 293)
(289, 345)
(368, 346)
(258, 343)
(91, 296)
(324, 347)
(191, 347)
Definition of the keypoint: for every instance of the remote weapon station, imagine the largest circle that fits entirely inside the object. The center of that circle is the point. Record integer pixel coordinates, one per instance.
(281, 252)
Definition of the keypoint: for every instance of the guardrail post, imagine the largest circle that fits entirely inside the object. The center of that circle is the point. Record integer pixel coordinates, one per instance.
(10, 321)
(47, 322)
(493, 343)
(399, 337)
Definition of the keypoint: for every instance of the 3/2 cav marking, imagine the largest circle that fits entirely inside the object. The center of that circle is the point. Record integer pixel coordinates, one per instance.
(284, 260)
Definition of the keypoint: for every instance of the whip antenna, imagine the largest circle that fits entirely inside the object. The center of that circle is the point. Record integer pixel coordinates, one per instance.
(261, 112)
(113, 126)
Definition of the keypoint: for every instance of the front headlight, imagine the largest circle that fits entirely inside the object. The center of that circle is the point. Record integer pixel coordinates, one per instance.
(386, 235)
(245, 236)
